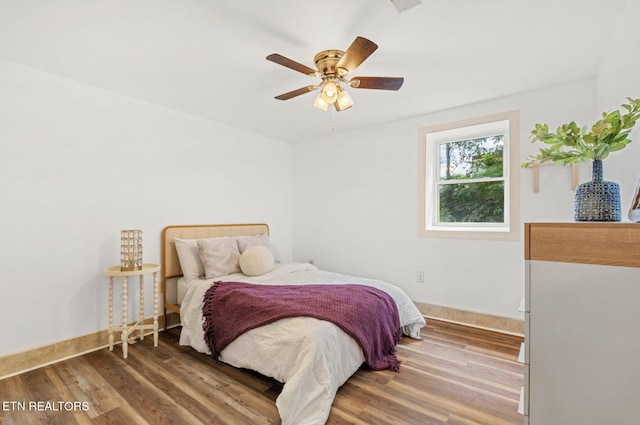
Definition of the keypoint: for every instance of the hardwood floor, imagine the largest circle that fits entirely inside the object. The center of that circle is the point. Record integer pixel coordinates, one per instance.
(455, 375)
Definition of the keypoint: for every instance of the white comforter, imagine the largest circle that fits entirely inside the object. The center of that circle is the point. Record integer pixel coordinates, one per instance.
(313, 358)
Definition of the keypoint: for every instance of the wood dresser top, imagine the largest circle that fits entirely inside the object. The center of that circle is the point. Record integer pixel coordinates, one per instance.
(616, 243)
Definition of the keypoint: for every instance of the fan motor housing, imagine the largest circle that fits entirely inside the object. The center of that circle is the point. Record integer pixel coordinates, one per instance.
(326, 61)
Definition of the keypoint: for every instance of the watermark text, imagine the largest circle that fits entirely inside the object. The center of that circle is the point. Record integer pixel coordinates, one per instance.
(43, 406)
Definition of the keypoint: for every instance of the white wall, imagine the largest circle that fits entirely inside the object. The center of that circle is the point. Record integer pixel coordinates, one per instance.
(619, 73)
(355, 206)
(78, 164)
(617, 79)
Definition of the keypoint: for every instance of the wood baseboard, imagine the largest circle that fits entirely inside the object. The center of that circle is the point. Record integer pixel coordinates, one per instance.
(23, 361)
(500, 324)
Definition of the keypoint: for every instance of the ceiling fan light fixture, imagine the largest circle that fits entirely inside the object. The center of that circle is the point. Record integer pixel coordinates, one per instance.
(344, 100)
(320, 103)
(329, 92)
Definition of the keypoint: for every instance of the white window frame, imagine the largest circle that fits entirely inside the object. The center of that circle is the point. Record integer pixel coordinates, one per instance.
(431, 138)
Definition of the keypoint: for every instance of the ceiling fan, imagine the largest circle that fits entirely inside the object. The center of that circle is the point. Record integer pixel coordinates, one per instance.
(333, 67)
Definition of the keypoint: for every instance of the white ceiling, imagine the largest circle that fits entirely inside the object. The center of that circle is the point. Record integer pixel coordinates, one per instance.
(207, 57)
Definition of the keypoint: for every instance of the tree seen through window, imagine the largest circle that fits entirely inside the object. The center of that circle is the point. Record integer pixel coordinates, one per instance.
(471, 181)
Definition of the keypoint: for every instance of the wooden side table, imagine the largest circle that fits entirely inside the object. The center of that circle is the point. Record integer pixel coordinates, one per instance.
(126, 330)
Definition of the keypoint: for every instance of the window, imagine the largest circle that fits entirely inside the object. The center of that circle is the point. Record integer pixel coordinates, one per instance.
(468, 178)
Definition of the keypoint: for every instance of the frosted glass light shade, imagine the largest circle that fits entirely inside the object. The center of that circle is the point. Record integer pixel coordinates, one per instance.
(329, 92)
(344, 101)
(320, 103)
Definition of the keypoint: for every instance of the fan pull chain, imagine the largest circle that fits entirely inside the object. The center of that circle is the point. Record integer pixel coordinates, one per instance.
(333, 120)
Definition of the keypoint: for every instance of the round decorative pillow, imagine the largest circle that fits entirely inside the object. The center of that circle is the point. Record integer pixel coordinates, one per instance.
(256, 260)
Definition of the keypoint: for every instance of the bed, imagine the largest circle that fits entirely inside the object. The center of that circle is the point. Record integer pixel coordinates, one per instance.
(311, 357)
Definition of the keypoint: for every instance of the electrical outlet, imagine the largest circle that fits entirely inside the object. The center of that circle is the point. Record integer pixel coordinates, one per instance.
(420, 277)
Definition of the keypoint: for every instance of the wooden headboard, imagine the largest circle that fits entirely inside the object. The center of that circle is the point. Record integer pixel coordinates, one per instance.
(171, 264)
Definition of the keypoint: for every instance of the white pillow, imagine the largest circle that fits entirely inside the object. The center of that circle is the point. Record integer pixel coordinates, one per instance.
(189, 257)
(257, 260)
(219, 256)
(246, 242)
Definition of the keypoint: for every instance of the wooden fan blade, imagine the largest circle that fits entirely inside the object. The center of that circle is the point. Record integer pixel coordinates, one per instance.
(294, 93)
(291, 64)
(379, 83)
(358, 52)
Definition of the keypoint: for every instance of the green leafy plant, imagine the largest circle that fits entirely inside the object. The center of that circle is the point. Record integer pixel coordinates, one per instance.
(571, 144)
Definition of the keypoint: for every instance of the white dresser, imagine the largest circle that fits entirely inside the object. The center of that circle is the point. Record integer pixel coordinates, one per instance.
(582, 324)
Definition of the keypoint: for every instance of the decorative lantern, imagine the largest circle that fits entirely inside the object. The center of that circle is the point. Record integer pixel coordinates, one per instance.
(130, 250)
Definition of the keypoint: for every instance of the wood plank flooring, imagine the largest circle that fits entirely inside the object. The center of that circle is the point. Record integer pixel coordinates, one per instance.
(455, 375)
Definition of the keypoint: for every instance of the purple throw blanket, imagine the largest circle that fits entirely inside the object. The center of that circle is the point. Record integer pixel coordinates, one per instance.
(369, 315)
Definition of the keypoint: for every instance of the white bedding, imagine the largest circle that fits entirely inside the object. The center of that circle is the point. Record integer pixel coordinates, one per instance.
(183, 287)
(313, 358)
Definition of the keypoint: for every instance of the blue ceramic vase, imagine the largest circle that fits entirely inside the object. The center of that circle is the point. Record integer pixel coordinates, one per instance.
(597, 200)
